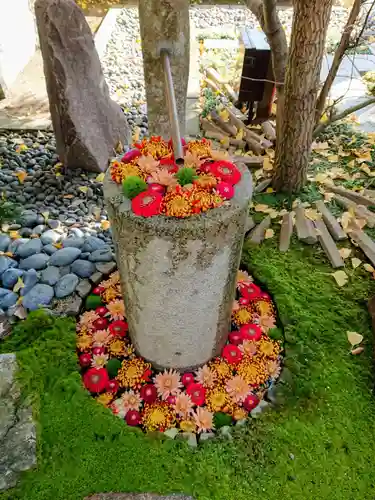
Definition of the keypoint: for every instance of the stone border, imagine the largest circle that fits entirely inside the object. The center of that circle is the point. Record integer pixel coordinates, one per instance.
(104, 32)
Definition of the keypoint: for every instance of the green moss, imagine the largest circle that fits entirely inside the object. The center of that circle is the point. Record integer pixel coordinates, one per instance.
(133, 186)
(186, 175)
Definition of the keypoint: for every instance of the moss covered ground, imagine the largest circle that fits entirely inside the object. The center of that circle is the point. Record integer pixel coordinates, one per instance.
(317, 445)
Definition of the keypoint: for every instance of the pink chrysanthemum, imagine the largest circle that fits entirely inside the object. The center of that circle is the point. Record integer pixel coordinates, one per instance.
(167, 383)
(205, 376)
(116, 309)
(248, 347)
(100, 338)
(183, 405)
(99, 360)
(204, 420)
(87, 319)
(237, 388)
(130, 400)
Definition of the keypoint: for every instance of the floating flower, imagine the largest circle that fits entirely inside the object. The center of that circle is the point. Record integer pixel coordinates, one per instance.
(242, 316)
(147, 204)
(202, 201)
(98, 290)
(201, 148)
(101, 310)
(252, 371)
(117, 347)
(204, 420)
(232, 354)
(167, 383)
(183, 405)
(237, 388)
(130, 400)
(116, 309)
(104, 399)
(217, 400)
(99, 324)
(100, 338)
(96, 379)
(149, 393)
(158, 416)
(164, 178)
(243, 279)
(156, 147)
(197, 393)
(131, 373)
(187, 379)
(169, 165)
(188, 425)
(225, 190)
(99, 360)
(158, 188)
(177, 205)
(248, 347)
(133, 418)
(87, 319)
(147, 164)
(274, 369)
(171, 400)
(118, 328)
(225, 171)
(251, 402)
(112, 386)
(84, 342)
(206, 376)
(85, 359)
(250, 291)
(222, 369)
(243, 301)
(251, 331)
(98, 350)
(109, 294)
(264, 308)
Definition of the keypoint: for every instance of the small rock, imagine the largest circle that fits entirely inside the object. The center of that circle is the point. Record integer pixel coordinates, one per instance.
(10, 277)
(4, 242)
(16, 243)
(50, 249)
(64, 270)
(96, 278)
(6, 263)
(40, 295)
(50, 275)
(30, 248)
(8, 300)
(66, 285)
(29, 218)
(39, 229)
(65, 256)
(37, 261)
(54, 224)
(73, 242)
(70, 221)
(84, 288)
(105, 267)
(5, 327)
(92, 243)
(30, 278)
(102, 255)
(25, 232)
(77, 232)
(50, 236)
(83, 268)
(73, 305)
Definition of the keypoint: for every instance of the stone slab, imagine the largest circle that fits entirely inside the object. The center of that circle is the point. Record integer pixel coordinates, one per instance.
(363, 62)
(331, 222)
(192, 116)
(104, 32)
(328, 245)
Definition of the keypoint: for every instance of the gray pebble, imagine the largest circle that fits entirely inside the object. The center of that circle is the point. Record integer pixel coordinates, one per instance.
(102, 255)
(30, 278)
(84, 288)
(4, 242)
(37, 261)
(10, 277)
(6, 263)
(50, 275)
(50, 236)
(105, 267)
(83, 268)
(65, 256)
(92, 243)
(39, 229)
(50, 249)
(30, 248)
(8, 300)
(77, 232)
(29, 218)
(64, 270)
(16, 243)
(66, 285)
(54, 224)
(39, 295)
(73, 242)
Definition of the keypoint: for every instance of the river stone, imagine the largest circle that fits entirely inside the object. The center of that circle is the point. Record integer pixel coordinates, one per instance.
(66, 285)
(73, 242)
(50, 249)
(30, 248)
(93, 243)
(50, 276)
(84, 288)
(102, 255)
(105, 267)
(6, 263)
(16, 243)
(178, 277)
(50, 236)
(30, 278)
(40, 295)
(83, 268)
(87, 123)
(8, 300)
(29, 218)
(65, 256)
(37, 261)
(10, 277)
(4, 242)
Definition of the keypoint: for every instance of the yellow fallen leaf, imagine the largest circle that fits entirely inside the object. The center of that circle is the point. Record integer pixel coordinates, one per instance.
(351, 164)
(267, 164)
(312, 214)
(258, 174)
(333, 158)
(14, 235)
(105, 224)
(97, 212)
(224, 115)
(270, 233)
(369, 268)
(345, 252)
(21, 147)
(119, 147)
(261, 208)
(45, 215)
(100, 177)
(69, 196)
(321, 177)
(340, 277)
(57, 245)
(270, 153)
(318, 146)
(354, 338)
(83, 189)
(356, 262)
(239, 134)
(357, 350)
(21, 175)
(270, 190)
(362, 155)
(225, 142)
(20, 284)
(8, 254)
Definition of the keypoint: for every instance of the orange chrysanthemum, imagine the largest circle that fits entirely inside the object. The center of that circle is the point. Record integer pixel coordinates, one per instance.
(121, 171)
(202, 148)
(177, 205)
(84, 342)
(252, 371)
(264, 308)
(158, 416)
(156, 147)
(110, 294)
(222, 369)
(206, 181)
(131, 373)
(268, 348)
(217, 400)
(242, 315)
(117, 348)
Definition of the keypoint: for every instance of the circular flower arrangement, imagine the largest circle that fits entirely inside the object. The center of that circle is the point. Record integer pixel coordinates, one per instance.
(156, 185)
(223, 391)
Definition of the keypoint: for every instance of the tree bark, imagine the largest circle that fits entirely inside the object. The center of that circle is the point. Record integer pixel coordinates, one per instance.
(165, 24)
(338, 57)
(310, 22)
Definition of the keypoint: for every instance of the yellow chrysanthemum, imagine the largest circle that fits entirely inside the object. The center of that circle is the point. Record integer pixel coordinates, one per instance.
(84, 342)
(222, 369)
(242, 316)
(158, 416)
(117, 348)
(121, 171)
(268, 348)
(217, 400)
(188, 425)
(264, 308)
(252, 371)
(131, 373)
(110, 294)
(105, 399)
(177, 205)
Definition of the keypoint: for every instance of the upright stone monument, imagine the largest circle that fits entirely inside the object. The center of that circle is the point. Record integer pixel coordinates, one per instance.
(178, 276)
(165, 25)
(87, 123)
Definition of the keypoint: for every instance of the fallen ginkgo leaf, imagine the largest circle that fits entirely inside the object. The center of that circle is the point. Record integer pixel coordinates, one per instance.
(354, 338)
(340, 277)
(356, 262)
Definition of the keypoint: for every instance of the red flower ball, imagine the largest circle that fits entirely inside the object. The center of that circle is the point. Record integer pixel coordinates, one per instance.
(112, 386)
(149, 393)
(250, 332)
(146, 375)
(133, 417)
(265, 296)
(225, 190)
(169, 165)
(251, 291)
(205, 167)
(98, 350)
(101, 310)
(197, 394)
(100, 324)
(232, 354)
(156, 188)
(98, 290)
(225, 171)
(96, 379)
(118, 328)
(131, 155)
(251, 402)
(147, 204)
(85, 359)
(243, 301)
(187, 379)
(235, 338)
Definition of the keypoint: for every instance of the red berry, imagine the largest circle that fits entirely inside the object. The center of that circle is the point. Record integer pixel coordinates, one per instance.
(187, 379)
(100, 324)
(251, 331)
(133, 417)
(98, 350)
(101, 310)
(243, 301)
(112, 386)
(251, 402)
(98, 290)
(85, 359)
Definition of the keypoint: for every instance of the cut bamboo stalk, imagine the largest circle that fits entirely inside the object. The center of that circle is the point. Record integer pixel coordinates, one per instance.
(209, 126)
(269, 131)
(351, 195)
(237, 142)
(256, 137)
(365, 243)
(235, 120)
(212, 85)
(360, 210)
(259, 188)
(258, 233)
(250, 161)
(231, 92)
(222, 124)
(328, 245)
(286, 232)
(218, 136)
(212, 74)
(331, 222)
(305, 228)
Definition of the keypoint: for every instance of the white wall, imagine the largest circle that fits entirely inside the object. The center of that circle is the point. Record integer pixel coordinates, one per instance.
(18, 38)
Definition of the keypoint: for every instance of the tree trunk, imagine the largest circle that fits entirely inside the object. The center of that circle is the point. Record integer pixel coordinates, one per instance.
(165, 24)
(310, 22)
(339, 54)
